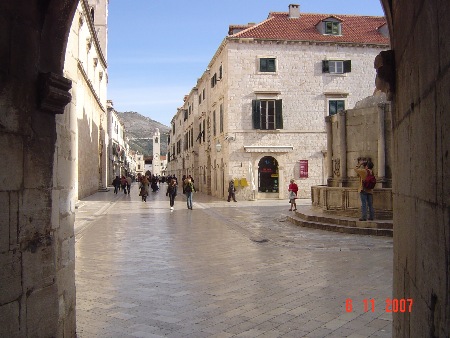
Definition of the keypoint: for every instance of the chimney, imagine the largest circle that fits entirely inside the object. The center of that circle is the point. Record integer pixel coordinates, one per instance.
(294, 11)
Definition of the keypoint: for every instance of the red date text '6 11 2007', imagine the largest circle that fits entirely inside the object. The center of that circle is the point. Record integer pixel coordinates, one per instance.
(391, 305)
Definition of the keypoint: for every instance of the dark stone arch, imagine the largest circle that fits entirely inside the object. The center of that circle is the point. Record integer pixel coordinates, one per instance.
(33, 39)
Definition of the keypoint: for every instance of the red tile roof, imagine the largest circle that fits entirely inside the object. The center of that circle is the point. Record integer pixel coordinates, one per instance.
(355, 29)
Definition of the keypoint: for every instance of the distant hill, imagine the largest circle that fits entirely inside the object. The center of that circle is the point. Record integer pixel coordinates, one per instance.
(140, 129)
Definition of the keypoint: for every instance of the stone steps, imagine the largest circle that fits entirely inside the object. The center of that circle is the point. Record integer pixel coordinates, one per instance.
(310, 218)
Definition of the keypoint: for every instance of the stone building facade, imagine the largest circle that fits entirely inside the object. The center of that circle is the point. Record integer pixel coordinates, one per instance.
(85, 65)
(119, 148)
(36, 227)
(260, 105)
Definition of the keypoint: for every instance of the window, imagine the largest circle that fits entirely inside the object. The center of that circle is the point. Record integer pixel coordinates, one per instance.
(333, 28)
(214, 80)
(267, 114)
(221, 119)
(220, 72)
(335, 106)
(336, 66)
(185, 111)
(214, 123)
(199, 137)
(204, 129)
(267, 65)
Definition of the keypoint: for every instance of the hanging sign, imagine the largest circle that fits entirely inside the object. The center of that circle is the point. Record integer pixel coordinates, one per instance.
(303, 168)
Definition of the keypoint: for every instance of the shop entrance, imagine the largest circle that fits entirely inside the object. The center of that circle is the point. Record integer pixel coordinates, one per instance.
(268, 180)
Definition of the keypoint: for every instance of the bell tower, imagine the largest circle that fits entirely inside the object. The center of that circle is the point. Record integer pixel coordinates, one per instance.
(156, 162)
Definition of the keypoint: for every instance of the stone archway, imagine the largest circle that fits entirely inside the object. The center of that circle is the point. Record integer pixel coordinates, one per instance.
(36, 227)
(37, 290)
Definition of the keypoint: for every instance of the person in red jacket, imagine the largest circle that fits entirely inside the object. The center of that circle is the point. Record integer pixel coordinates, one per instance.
(293, 189)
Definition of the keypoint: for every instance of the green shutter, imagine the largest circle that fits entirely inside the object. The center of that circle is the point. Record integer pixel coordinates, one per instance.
(256, 114)
(347, 66)
(278, 114)
(325, 66)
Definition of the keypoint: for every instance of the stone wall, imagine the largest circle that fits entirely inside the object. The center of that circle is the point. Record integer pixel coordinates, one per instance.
(86, 67)
(421, 124)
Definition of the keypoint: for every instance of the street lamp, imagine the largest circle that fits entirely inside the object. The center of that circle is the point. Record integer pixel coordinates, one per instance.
(218, 147)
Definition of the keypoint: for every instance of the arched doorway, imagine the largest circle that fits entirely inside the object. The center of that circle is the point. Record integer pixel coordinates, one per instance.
(268, 176)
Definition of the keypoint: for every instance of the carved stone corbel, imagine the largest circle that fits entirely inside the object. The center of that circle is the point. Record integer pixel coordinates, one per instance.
(54, 93)
(385, 67)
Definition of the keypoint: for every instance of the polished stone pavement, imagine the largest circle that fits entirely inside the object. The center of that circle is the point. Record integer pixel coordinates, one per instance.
(222, 270)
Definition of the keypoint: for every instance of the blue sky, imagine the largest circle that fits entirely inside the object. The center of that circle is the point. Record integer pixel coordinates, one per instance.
(158, 48)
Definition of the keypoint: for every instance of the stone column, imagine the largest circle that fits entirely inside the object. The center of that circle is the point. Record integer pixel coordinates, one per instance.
(381, 142)
(342, 147)
(329, 148)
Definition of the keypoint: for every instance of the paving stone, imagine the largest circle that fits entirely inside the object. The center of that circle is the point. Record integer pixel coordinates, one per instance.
(143, 271)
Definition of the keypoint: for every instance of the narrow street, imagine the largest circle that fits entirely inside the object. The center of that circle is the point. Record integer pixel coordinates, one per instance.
(223, 270)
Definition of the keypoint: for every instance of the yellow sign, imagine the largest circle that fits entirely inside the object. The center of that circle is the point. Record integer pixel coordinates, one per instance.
(244, 182)
(236, 182)
(274, 175)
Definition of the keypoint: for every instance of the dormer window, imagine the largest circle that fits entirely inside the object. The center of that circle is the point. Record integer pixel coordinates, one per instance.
(332, 28)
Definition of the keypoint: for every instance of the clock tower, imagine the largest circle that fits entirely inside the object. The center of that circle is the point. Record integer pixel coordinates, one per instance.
(156, 162)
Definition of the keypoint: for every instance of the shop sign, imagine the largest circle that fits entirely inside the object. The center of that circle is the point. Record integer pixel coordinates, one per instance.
(303, 168)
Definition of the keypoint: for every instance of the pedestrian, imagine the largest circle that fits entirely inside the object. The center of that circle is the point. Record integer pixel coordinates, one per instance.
(143, 188)
(172, 192)
(128, 184)
(189, 189)
(154, 184)
(116, 184)
(363, 169)
(231, 191)
(123, 183)
(192, 180)
(293, 189)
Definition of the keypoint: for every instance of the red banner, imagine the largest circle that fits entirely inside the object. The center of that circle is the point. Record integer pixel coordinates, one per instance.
(303, 168)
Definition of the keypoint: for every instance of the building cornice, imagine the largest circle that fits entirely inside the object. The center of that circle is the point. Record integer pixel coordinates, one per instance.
(218, 51)
(89, 83)
(305, 42)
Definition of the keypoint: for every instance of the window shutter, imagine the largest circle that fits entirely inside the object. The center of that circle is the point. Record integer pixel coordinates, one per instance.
(278, 114)
(347, 66)
(325, 66)
(256, 114)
